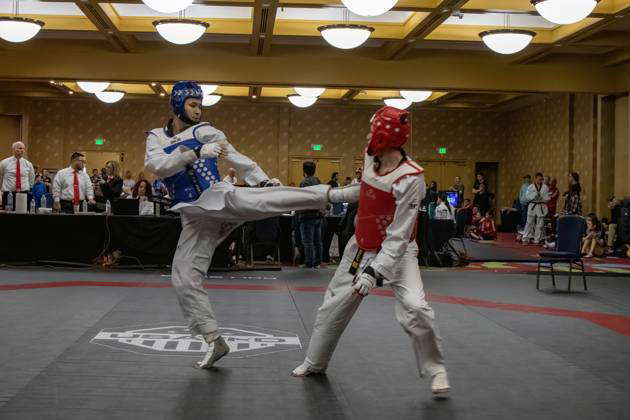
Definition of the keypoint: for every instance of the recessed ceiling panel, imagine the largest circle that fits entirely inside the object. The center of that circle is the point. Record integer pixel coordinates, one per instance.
(34, 7)
(194, 11)
(337, 14)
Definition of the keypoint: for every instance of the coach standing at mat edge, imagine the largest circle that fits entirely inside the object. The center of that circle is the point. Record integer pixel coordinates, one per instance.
(16, 174)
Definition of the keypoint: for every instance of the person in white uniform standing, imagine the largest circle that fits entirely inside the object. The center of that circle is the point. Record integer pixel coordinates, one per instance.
(383, 250)
(184, 153)
(538, 195)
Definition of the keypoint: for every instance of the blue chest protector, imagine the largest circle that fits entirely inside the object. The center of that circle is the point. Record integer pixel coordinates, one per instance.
(187, 185)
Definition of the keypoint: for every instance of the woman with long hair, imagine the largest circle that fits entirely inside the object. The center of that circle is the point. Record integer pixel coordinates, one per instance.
(142, 192)
(572, 197)
(112, 188)
(444, 210)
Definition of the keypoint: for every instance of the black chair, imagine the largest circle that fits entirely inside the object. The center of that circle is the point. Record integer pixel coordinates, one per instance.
(570, 230)
(266, 233)
(463, 218)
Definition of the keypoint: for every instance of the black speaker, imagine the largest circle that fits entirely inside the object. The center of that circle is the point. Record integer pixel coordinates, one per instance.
(624, 223)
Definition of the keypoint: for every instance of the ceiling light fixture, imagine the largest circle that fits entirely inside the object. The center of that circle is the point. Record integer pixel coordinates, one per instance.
(564, 12)
(209, 89)
(507, 41)
(309, 92)
(416, 95)
(93, 87)
(209, 100)
(345, 36)
(168, 6)
(369, 7)
(302, 101)
(110, 96)
(181, 31)
(18, 29)
(400, 103)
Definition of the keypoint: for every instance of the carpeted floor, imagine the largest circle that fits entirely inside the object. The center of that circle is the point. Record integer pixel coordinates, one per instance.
(103, 345)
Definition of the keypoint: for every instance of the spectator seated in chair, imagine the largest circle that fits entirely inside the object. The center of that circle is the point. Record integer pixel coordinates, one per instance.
(143, 192)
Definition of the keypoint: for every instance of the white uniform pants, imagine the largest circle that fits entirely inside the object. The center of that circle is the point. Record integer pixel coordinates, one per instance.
(535, 223)
(203, 230)
(412, 312)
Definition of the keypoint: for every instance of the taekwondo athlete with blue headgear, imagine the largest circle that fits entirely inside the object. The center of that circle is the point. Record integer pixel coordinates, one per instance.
(184, 154)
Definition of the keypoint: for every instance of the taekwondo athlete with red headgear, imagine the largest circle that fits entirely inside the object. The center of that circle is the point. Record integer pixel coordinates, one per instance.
(184, 153)
(383, 250)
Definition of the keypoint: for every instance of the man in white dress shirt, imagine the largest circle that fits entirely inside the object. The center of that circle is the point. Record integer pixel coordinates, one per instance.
(72, 185)
(231, 177)
(16, 174)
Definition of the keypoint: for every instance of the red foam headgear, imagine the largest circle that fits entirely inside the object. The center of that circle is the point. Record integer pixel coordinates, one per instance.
(390, 128)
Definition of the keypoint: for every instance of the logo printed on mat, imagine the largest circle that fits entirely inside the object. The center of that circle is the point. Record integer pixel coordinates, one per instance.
(176, 340)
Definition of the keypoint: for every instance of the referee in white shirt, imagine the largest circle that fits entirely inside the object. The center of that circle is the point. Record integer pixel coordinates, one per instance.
(72, 185)
(16, 174)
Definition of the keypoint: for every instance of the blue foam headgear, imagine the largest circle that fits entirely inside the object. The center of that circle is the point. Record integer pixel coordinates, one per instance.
(182, 91)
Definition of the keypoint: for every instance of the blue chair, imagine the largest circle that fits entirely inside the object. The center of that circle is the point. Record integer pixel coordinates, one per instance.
(571, 230)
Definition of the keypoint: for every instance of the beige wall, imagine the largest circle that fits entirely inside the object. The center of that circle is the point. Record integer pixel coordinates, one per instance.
(538, 141)
(554, 136)
(622, 147)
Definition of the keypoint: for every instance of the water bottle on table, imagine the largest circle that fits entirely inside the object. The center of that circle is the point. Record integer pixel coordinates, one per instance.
(43, 203)
(33, 206)
(9, 206)
(85, 207)
(108, 207)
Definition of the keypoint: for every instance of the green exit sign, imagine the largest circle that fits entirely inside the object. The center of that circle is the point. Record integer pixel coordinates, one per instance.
(442, 150)
(99, 141)
(317, 147)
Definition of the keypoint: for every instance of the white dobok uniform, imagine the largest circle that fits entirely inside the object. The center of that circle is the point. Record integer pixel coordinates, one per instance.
(210, 209)
(385, 230)
(536, 212)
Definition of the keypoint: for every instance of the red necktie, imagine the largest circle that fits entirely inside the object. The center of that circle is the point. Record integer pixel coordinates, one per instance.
(18, 177)
(76, 189)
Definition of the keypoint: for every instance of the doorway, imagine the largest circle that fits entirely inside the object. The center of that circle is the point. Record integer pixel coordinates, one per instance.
(490, 171)
(325, 168)
(444, 172)
(97, 159)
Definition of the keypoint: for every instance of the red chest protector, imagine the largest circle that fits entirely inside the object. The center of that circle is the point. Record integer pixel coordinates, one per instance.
(377, 204)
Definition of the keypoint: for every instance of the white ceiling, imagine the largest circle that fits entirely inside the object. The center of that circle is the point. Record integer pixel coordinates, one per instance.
(35, 7)
(498, 19)
(337, 14)
(194, 11)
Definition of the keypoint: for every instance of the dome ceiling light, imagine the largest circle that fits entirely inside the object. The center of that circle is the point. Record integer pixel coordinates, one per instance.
(18, 29)
(369, 7)
(507, 41)
(93, 87)
(168, 6)
(209, 100)
(346, 35)
(181, 31)
(400, 103)
(302, 101)
(310, 92)
(110, 96)
(209, 89)
(564, 12)
(416, 95)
